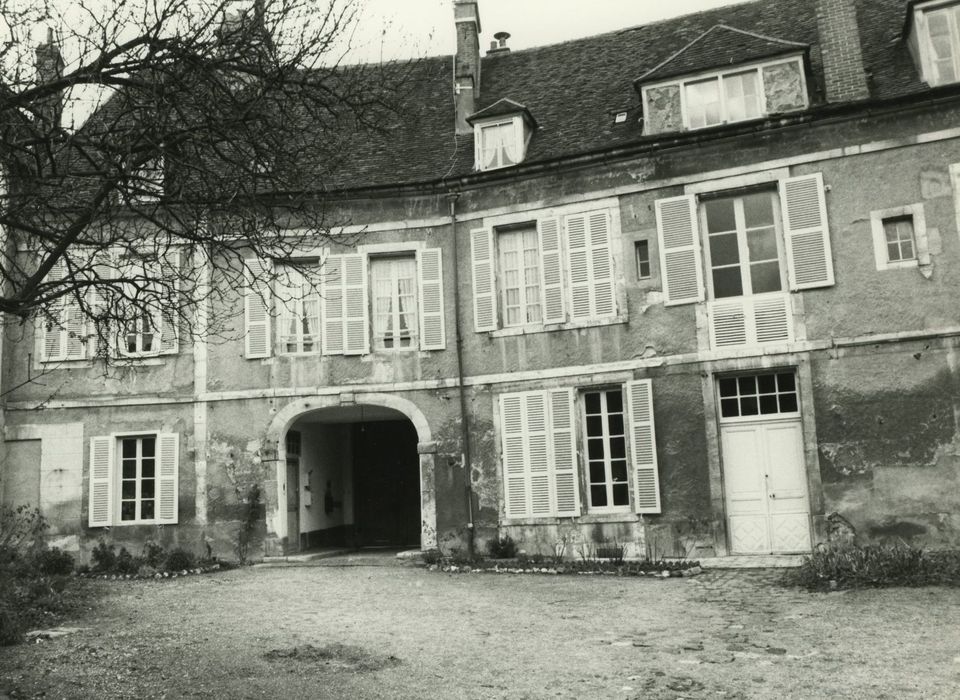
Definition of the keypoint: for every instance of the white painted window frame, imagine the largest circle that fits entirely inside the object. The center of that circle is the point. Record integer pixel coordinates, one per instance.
(583, 444)
(116, 476)
(720, 74)
(521, 137)
(920, 244)
(297, 312)
(920, 40)
(377, 342)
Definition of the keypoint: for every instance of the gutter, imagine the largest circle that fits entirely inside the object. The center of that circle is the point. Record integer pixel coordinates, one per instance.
(466, 456)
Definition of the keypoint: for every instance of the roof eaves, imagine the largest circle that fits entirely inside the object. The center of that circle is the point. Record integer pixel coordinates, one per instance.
(501, 108)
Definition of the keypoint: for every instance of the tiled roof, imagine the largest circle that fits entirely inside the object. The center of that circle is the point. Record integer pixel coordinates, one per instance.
(717, 47)
(501, 108)
(575, 88)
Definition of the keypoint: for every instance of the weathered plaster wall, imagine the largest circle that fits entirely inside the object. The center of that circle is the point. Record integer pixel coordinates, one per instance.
(325, 458)
(888, 422)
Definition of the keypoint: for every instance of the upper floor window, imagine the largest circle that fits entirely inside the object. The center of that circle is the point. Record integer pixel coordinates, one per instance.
(499, 146)
(935, 41)
(394, 299)
(501, 133)
(725, 97)
(558, 269)
(299, 309)
(900, 237)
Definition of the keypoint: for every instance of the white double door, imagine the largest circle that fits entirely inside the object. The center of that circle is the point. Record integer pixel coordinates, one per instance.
(768, 508)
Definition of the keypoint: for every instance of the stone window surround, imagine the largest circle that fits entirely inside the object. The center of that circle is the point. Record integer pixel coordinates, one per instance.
(915, 212)
(758, 67)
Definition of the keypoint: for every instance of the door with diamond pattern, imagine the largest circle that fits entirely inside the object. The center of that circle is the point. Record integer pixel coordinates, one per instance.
(765, 483)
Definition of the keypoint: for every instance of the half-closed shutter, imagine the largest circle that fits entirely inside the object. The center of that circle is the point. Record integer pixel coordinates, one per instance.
(257, 308)
(514, 454)
(578, 261)
(100, 508)
(809, 261)
(52, 332)
(679, 234)
(356, 335)
(76, 327)
(170, 311)
(601, 264)
(551, 270)
(168, 476)
(432, 334)
(643, 444)
(484, 280)
(331, 292)
(564, 457)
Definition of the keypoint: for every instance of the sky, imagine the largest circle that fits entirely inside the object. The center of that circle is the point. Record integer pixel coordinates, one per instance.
(395, 29)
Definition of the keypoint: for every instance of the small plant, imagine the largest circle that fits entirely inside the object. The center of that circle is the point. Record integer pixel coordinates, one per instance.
(104, 558)
(53, 562)
(502, 548)
(179, 559)
(846, 565)
(126, 563)
(614, 551)
(432, 557)
(153, 554)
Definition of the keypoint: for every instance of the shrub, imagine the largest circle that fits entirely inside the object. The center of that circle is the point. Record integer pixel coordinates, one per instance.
(502, 548)
(432, 556)
(126, 563)
(153, 555)
(104, 558)
(845, 565)
(178, 560)
(53, 562)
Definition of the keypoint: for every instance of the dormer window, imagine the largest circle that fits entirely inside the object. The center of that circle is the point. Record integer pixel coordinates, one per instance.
(725, 97)
(501, 134)
(501, 144)
(934, 40)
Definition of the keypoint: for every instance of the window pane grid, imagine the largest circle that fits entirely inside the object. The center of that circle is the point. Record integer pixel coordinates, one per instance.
(394, 283)
(758, 395)
(606, 455)
(942, 29)
(299, 312)
(520, 277)
(742, 245)
(899, 237)
(138, 479)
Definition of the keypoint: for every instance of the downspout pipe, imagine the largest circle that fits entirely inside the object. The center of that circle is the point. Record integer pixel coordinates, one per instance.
(466, 458)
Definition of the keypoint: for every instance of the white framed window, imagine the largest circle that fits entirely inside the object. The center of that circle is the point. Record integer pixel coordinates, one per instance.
(743, 244)
(151, 317)
(935, 40)
(298, 300)
(763, 394)
(500, 142)
(140, 336)
(899, 237)
(604, 430)
(540, 443)
(134, 479)
(519, 276)
(728, 96)
(393, 283)
(555, 270)
(641, 255)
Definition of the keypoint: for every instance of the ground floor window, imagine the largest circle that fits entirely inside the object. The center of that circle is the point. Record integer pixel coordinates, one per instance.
(138, 473)
(606, 456)
(765, 394)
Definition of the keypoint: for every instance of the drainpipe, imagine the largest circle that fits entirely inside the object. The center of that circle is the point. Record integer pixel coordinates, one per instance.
(452, 197)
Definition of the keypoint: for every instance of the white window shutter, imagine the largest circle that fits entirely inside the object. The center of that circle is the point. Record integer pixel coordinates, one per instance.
(514, 455)
(331, 292)
(536, 423)
(432, 332)
(168, 449)
(809, 260)
(100, 507)
(551, 270)
(257, 308)
(50, 329)
(578, 266)
(601, 264)
(169, 317)
(643, 445)
(484, 280)
(564, 453)
(679, 237)
(76, 327)
(356, 323)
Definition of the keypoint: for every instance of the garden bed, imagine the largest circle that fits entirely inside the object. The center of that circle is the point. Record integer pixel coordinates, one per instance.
(536, 565)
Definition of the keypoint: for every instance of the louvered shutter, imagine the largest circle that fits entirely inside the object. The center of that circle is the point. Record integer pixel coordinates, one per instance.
(514, 454)
(643, 444)
(484, 280)
(100, 507)
(564, 453)
(331, 291)
(168, 477)
(432, 334)
(52, 332)
(809, 260)
(578, 266)
(601, 264)
(75, 324)
(356, 324)
(257, 308)
(679, 234)
(539, 469)
(169, 314)
(551, 270)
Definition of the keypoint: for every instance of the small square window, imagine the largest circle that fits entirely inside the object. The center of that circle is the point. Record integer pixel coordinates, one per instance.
(642, 253)
(898, 233)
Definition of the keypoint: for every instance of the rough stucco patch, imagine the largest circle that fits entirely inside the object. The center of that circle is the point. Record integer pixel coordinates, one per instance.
(783, 87)
(663, 109)
(935, 183)
(236, 471)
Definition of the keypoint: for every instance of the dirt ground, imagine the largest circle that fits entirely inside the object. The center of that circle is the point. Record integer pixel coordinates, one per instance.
(360, 628)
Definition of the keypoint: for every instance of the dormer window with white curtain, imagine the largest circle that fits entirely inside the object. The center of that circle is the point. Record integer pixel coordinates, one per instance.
(934, 40)
(501, 134)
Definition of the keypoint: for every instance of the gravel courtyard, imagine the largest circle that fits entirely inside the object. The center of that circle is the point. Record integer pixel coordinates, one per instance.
(366, 628)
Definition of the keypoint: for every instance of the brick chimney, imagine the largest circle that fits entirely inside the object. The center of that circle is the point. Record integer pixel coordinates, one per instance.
(466, 66)
(843, 70)
(50, 68)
